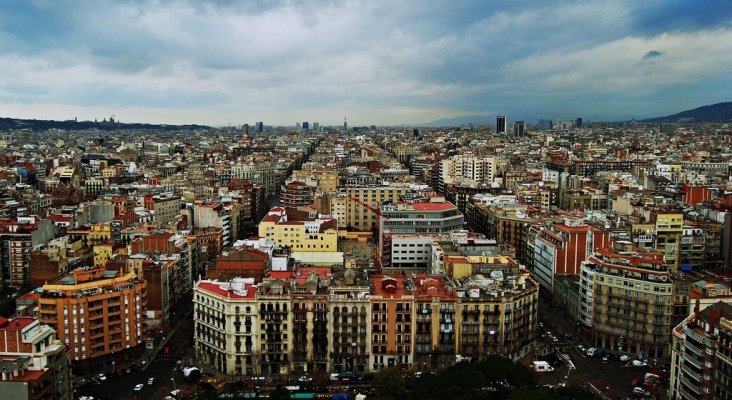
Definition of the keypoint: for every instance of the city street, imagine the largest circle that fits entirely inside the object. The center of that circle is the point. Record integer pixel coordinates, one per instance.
(612, 379)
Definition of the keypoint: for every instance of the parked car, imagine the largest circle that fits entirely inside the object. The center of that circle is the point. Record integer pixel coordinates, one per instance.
(590, 351)
(624, 358)
(101, 377)
(138, 387)
(151, 381)
(605, 360)
(639, 363)
(640, 392)
(304, 379)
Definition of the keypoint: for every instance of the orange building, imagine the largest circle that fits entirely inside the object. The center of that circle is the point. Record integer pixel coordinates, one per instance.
(96, 313)
(392, 316)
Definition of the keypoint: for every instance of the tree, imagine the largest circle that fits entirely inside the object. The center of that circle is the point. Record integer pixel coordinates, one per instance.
(389, 383)
(280, 393)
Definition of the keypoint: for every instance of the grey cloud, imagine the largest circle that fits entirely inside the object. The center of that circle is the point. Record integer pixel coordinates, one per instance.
(652, 54)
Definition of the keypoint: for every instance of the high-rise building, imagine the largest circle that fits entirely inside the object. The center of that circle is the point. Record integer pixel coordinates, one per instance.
(501, 124)
(518, 129)
(700, 362)
(345, 124)
(260, 127)
(578, 122)
(97, 314)
(305, 125)
(627, 300)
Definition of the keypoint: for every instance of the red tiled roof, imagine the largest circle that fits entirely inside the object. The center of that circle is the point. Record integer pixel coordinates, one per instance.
(60, 218)
(18, 323)
(433, 206)
(215, 288)
(280, 274)
(271, 218)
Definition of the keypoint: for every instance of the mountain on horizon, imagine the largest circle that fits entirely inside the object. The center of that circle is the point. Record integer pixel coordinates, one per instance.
(7, 124)
(720, 112)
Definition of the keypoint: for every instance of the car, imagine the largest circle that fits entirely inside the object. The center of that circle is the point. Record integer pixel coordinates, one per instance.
(590, 351)
(138, 387)
(101, 377)
(151, 381)
(639, 363)
(582, 349)
(304, 379)
(640, 392)
(605, 360)
(624, 358)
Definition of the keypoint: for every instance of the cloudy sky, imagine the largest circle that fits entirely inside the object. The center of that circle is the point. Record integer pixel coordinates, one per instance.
(374, 62)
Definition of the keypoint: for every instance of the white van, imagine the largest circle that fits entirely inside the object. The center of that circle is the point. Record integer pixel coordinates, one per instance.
(542, 366)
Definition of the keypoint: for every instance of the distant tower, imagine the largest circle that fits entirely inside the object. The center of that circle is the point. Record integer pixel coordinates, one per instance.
(245, 128)
(501, 124)
(518, 129)
(260, 127)
(305, 125)
(345, 124)
(578, 122)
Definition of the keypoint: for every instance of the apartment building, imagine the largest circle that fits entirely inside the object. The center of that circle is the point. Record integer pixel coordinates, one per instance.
(669, 229)
(96, 313)
(313, 234)
(397, 249)
(226, 326)
(560, 249)
(361, 217)
(275, 327)
(627, 300)
(33, 361)
(467, 167)
(310, 322)
(701, 358)
(392, 316)
(165, 207)
(297, 194)
(349, 311)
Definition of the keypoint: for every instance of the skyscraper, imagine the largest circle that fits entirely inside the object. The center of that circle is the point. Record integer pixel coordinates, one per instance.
(345, 124)
(578, 122)
(501, 124)
(305, 125)
(260, 127)
(518, 129)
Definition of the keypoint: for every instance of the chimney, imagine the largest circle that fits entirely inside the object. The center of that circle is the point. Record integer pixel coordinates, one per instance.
(696, 308)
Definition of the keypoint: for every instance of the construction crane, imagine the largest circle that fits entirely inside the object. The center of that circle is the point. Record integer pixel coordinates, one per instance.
(384, 258)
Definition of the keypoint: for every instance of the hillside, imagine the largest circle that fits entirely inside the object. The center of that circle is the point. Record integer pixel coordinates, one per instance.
(720, 112)
(8, 124)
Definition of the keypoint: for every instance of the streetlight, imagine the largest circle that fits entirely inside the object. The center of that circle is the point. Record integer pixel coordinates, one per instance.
(173, 380)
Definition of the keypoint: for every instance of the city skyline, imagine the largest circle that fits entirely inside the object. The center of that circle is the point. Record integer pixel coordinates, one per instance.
(387, 63)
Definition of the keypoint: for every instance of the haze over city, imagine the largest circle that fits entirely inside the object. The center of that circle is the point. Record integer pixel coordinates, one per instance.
(380, 62)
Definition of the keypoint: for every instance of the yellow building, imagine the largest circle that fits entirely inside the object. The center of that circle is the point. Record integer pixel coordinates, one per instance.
(669, 227)
(99, 233)
(102, 254)
(359, 216)
(306, 234)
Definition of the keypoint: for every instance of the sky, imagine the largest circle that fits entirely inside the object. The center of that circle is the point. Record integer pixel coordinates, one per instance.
(388, 62)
